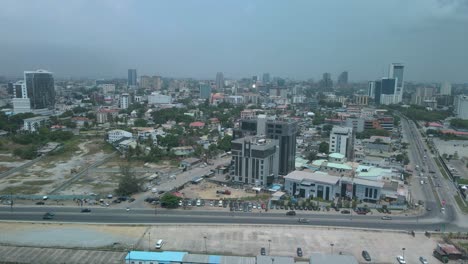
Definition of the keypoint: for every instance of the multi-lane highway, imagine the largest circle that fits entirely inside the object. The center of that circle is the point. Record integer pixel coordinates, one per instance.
(148, 216)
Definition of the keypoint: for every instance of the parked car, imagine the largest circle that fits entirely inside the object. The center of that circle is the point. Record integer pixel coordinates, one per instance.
(262, 251)
(401, 259)
(85, 210)
(345, 212)
(386, 217)
(423, 260)
(366, 255)
(299, 252)
(291, 213)
(131, 200)
(159, 244)
(40, 203)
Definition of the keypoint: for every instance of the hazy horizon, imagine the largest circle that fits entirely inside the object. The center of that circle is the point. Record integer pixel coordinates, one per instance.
(196, 39)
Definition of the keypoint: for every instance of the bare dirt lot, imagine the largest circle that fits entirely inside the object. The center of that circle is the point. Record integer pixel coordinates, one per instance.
(207, 190)
(45, 175)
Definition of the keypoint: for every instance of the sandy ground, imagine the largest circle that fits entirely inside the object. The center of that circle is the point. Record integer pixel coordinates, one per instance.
(8, 161)
(207, 190)
(383, 246)
(46, 174)
(450, 146)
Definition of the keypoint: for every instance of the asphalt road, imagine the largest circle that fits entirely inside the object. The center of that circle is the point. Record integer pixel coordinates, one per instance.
(145, 216)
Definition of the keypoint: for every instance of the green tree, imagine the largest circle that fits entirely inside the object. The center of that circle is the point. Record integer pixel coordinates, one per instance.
(224, 144)
(140, 122)
(169, 200)
(324, 147)
(128, 182)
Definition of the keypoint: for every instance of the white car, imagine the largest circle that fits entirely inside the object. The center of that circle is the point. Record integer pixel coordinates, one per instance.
(198, 203)
(159, 244)
(401, 259)
(423, 260)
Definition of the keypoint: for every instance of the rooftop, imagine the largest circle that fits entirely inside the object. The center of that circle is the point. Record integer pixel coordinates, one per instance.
(165, 256)
(312, 176)
(336, 156)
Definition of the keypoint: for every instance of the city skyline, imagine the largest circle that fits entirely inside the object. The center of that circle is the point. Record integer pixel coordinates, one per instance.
(239, 39)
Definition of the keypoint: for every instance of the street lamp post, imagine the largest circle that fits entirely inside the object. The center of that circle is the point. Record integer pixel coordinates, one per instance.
(149, 241)
(403, 252)
(206, 251)
(269, 242)
(332, 248)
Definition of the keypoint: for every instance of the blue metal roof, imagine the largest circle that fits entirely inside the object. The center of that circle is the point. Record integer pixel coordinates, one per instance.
(214, 259)
(165, 256)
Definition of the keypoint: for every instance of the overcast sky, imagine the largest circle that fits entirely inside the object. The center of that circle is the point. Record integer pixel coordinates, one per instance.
(197, 38)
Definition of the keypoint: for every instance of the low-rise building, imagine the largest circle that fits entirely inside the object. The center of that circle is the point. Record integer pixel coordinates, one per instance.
(117, 134)
(34, 123)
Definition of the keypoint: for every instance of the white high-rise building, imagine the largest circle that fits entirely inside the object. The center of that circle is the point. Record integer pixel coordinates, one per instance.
(396, 72)
(446, 88)
(124, 100)
(461, 106)
(342, 141)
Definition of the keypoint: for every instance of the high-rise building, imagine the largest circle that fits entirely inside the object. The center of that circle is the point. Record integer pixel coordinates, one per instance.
(371, 89)
(145, 82)
(132, 77)
(40, 89)
(283, 130)
(396, 72)
(254, 161)
(19, 90)
(377, 91)
(219, 80)
(461, 106)
(205, 91)
(388, 91)
(343, 79)
(10, 88)
(422, 95)
(342, 141)
(446, 88)
(266, 78)
(124, 100)
(326, 81)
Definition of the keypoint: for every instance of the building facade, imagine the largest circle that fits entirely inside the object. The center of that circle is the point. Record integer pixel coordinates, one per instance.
(124, 100)
(40, 89)
(132, 77)
(254, 161)
(461, 106)
(34, 123)
(205, 91)
(117, 134)
(396, 71)
(219, 81)
(342, 141)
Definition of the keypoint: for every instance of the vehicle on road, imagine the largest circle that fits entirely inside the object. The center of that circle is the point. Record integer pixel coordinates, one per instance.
(303, 220)
(401, 259)
(428, 209)
(40, 203)
(45, 197)
(291, 213)
(423, 260)
(48, 215)
(262, 251)
(299, 252)
(366, 255)
(159, 244)
(109, 196)
(85, 210)
(386, 217)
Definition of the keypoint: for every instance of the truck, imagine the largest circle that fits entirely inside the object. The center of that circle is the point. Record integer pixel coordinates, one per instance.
(227, 192)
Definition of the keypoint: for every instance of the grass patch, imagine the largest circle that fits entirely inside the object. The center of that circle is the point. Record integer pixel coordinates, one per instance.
(461, 204)
(13, 181)
(442, 170)
(38, 182)
(7, 158)
(3, 168)
(22, 189)
(463, 181)
(66, 151)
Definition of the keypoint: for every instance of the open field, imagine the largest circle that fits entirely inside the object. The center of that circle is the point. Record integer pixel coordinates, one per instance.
(207, 190)
(54, 169)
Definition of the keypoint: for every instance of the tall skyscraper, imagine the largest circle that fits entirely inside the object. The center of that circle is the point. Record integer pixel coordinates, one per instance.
(423, 95)
(461, 107)
(343, 79)
(266, 78)
(446, 88)
(342, 141)
(283, 130)
(40, 89)
(396, 72)
(326, 81)
(219, 80)
(371, 89)
(205, 91)
(124, 100)
(388, 94)
(132, 77)
(377, 91)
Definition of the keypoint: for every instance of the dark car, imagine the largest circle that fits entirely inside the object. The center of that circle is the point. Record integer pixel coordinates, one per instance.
(48, 216)
(40, 203)
(85, 210)
(131, 200)
(262, 251)
(299, 252)
(366, 255)
(291, 213)
(345, 212)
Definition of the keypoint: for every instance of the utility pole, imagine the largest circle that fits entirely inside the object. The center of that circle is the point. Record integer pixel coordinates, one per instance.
(149, 240)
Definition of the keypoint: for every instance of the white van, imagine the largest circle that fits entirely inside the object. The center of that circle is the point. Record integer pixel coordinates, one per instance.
(220, 203)
(159, 244)
(422, 182)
